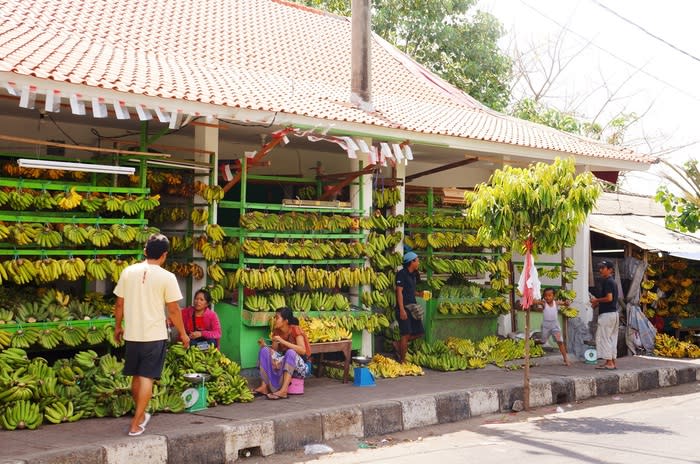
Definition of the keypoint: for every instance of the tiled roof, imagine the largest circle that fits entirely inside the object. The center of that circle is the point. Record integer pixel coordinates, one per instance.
(259, 54)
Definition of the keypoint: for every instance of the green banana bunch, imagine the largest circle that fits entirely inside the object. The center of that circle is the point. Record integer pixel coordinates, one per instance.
(61, 411)
(21, 415)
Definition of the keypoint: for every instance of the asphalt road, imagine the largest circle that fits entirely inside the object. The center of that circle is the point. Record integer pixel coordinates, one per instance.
(645, 427)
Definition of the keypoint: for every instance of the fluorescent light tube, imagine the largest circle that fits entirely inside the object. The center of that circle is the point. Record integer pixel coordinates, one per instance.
(82, 167)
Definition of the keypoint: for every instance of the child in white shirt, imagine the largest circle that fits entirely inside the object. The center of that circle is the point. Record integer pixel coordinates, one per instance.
(550, 322)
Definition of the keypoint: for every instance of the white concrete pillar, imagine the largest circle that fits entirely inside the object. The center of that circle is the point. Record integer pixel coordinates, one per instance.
(581, 254)
(206, 139)
(365, 205)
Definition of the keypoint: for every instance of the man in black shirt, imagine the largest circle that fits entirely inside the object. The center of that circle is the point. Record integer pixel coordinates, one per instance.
(608, 320)
(410, 327)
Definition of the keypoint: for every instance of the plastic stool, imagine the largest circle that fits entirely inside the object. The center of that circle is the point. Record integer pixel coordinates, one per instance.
(363, 377)
(296, 386)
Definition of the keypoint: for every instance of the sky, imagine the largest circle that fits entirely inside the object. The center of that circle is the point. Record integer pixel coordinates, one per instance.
(649, 50)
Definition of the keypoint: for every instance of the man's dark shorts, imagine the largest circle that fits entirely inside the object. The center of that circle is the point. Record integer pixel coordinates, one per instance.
(145, 359)
(410, 326)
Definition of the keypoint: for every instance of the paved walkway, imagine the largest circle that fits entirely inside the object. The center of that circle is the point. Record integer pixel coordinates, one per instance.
(330, 409)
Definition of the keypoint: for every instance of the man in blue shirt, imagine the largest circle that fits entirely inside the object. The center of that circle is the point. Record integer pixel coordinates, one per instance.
(410, 327)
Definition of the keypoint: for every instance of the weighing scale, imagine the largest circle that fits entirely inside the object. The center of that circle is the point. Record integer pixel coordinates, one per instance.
(590, 356)
(195, 398)
(362, 375)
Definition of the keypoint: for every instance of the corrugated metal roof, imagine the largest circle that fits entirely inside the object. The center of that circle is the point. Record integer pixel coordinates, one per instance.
(266, 55)
(640, 221)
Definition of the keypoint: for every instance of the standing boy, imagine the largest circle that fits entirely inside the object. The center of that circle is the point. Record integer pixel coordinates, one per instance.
(550, 322)
(143, 290)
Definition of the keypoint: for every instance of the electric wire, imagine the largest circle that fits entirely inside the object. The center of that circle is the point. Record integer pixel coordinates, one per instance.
(637, 68)
(665, 42)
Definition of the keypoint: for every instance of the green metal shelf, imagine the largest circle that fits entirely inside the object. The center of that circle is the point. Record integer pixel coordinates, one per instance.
(237, 231)
(450, 253)
(61, 185)
(270, 207)
(77, 218)
(65, 252)
(283, 261)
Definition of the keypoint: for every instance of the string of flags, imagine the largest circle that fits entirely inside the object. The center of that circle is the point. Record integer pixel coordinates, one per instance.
(380, 153)
(99, 106)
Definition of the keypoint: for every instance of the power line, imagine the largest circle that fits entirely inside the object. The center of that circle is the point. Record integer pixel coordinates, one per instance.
(690, 55)
(637, 68)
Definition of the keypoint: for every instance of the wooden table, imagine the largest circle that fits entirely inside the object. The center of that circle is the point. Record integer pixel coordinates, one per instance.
(343, 346)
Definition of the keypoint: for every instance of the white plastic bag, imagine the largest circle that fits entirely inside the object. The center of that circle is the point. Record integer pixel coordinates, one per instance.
(317, 449)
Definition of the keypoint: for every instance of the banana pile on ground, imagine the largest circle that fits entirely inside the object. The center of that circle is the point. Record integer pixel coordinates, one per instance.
(32, 392)
(322, 329)
(670, 347)
(386, 197)
(302, 277)
(459, 354)
(298, 222)
(471, 298)
(305, 249)
(23, 199)
(387, 368)
(225, 385)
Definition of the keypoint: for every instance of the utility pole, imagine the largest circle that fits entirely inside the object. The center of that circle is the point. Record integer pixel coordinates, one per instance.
(361, 54)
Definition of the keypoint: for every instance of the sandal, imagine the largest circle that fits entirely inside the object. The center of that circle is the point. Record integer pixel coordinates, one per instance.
(138, 432)
(258, 393)
(274, 396)
(606, 368)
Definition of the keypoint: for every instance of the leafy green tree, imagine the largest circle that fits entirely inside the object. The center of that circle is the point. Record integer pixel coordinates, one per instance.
(683, 208)
(446, 37)
(537, 209)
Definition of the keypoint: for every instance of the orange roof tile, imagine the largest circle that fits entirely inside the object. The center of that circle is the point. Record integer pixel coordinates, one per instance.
(258, 54)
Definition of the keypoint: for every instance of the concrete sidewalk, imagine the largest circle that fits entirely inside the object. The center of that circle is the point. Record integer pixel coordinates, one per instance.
(330, 409)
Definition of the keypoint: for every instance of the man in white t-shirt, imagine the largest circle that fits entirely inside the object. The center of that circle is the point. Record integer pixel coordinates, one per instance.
(143, 290)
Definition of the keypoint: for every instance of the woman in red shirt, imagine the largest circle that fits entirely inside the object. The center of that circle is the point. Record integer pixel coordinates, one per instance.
(201, 323)
(288, 354)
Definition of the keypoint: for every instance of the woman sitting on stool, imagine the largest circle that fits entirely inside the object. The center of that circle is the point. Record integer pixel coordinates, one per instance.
(288, 354)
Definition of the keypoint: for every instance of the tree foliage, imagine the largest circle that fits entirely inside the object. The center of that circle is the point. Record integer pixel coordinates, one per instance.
(544, 202)
(447, 37)
(683, 209)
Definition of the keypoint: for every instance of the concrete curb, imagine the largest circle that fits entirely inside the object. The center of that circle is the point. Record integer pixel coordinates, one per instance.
(223, 443)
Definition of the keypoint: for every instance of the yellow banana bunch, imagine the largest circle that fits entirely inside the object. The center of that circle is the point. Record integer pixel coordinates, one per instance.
(200, 216)
(75, 234)
(20, 270)
(215, 272)
(99, 236)
(69, 200)
(381, 366)
(123, 232)
(47, 237)
(215, 232)
(72, 268)
(213, 251)
(113, 203)
(23, 233)
(118, 265)
(47, 270)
